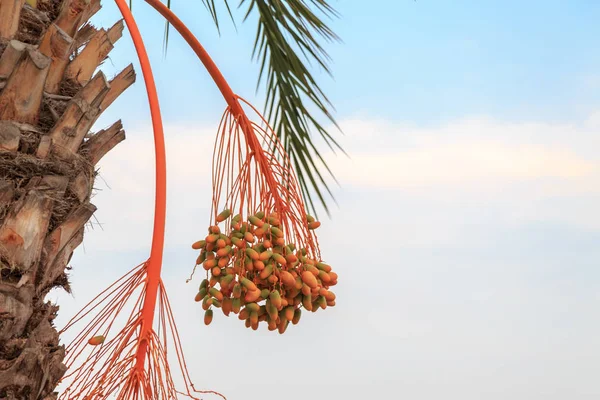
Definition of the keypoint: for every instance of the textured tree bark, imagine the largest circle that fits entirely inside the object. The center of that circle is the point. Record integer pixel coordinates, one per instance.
(11, 56)
(57, 45)
(22, 96)
(10, 11)
(71, 15)
(96, 51)
(84, 35)
(50, 95)
(118, 85)
(75, 122)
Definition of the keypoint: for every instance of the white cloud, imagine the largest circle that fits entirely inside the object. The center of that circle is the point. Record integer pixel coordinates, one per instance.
(474, 151)
(469, 162)
(480, 153)
(593, 121)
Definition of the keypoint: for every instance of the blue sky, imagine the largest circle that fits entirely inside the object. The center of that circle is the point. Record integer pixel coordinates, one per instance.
(472, 129)
(427, 61)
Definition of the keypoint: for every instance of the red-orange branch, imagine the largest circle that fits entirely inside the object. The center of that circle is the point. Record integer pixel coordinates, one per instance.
(160, 205)
(230, 97)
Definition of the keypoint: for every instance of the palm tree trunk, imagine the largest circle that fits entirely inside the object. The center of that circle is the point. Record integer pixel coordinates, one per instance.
(49, 100)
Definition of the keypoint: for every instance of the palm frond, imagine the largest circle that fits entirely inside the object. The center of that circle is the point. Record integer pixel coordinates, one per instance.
(288, 41)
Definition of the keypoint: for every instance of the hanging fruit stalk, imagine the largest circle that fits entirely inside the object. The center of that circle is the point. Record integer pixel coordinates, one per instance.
(267, 248)
(258, 184)
(132, 363)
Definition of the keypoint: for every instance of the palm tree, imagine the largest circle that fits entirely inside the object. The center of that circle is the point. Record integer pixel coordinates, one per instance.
(50, 97)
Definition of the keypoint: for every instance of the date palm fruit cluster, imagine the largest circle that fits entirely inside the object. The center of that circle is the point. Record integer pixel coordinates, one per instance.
(254, 273)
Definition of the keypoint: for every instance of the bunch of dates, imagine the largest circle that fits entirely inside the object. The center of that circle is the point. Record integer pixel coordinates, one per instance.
(253, 273)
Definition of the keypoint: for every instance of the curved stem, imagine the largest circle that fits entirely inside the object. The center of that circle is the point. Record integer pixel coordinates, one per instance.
(230, 97)
(158, 237)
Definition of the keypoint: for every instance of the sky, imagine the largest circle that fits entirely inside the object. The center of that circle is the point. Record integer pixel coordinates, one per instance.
(467, 226)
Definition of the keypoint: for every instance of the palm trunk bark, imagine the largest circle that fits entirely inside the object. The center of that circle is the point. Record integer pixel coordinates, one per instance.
(50, 96)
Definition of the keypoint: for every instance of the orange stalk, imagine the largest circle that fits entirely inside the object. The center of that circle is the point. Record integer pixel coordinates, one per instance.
(160, 205)
(230, 97)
